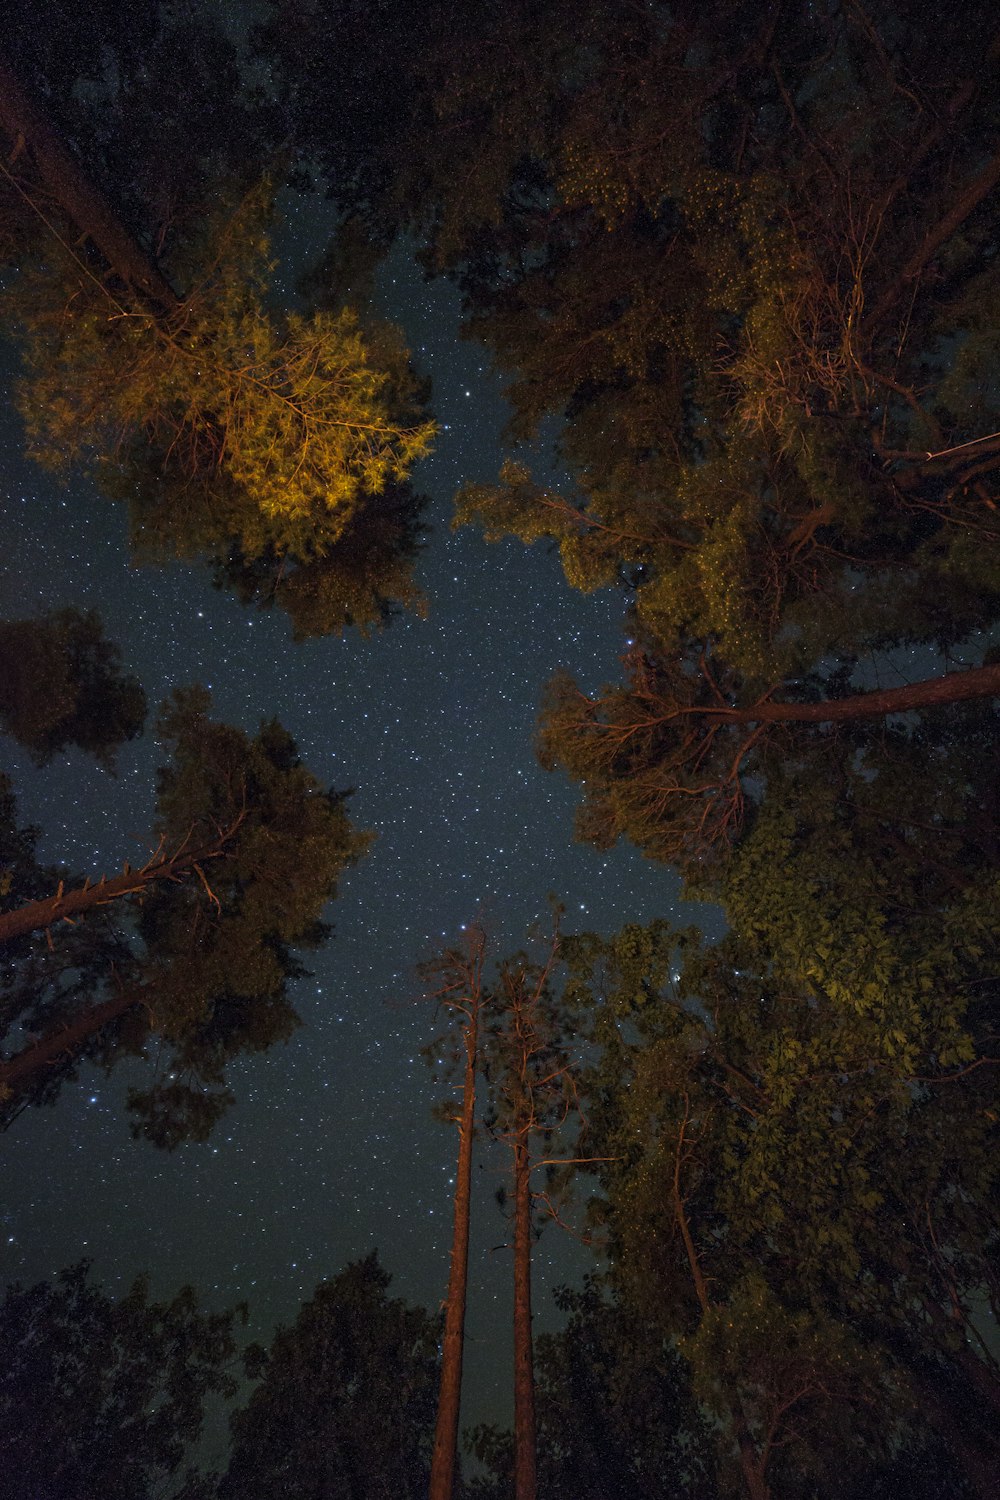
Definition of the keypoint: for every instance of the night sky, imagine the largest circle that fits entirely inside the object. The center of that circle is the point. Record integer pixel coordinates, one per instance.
(330, 1149)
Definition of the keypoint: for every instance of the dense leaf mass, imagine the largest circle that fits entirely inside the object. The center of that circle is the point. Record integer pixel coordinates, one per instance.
(748, 261)
(345, 1404)
(104, 1396)
(738, 264)
(153, 349)
(61, 685)
(194, 947)
(800, 1190)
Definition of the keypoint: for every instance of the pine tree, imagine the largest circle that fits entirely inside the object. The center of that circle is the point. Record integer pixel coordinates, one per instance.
(60, 685)
(455, 983)
(748, 267)
(533, 1098)
(196, 945)
(261, 441)
(345, 1400)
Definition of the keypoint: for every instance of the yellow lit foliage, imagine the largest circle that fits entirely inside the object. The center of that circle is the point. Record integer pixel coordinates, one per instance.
(296, 415)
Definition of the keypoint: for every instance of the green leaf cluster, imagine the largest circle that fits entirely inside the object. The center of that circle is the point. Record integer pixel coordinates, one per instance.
(345, 1403)
(105, 1396)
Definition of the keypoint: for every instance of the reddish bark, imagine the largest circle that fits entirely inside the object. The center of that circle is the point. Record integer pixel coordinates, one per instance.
(19, 1071)
(525, 1481)
(953, 687)
(449, 1399)
(65, 906)
(27, 122)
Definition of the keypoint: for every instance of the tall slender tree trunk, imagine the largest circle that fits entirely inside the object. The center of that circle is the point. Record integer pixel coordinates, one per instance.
(449, 1399)
(525, 1481)
(28, 126)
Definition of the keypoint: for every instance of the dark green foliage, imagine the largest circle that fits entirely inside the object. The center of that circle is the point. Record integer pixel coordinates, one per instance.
(360, 583)
(61, 684)
(616, 1414)
(201, 959)
(104, 1397)
(345, 1405)
(804, 1196)
(749, 262)
(155, 103)
(616, 1417)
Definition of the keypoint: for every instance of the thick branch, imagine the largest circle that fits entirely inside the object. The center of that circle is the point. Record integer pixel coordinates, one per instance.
(953, 687)
(19, 1071)
(973, 195)
(67, 905)
(84, 203)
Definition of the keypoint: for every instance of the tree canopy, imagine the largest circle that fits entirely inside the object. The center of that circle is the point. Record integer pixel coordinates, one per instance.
(742, 262)
(800, 1195)
(153, 351)
(345, 1405)
(765, 320)
(195, 946)
(61, 684)
(105, 1396)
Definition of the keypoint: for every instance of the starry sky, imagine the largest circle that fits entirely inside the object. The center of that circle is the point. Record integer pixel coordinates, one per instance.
(330, 1149)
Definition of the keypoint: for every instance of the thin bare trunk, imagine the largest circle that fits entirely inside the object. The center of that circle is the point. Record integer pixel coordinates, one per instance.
(449, 1399)
(28, 125)
(525, 1481)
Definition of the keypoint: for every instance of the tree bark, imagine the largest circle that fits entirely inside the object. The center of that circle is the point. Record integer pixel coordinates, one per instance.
(981, 1377)
(65, 906)
(953, 687)
(449, 1399)
(975, 191)
(752, 1463)
(81, 200)
(525, 1481)
(19, 1071)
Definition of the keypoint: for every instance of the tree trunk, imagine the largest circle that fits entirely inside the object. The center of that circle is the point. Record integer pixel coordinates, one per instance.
(449, 1399)
(953, 687)
(25, 120)
(752, 1463)
(19, 1071)
(980, 1375)
(524, 1374)
(65, 906)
